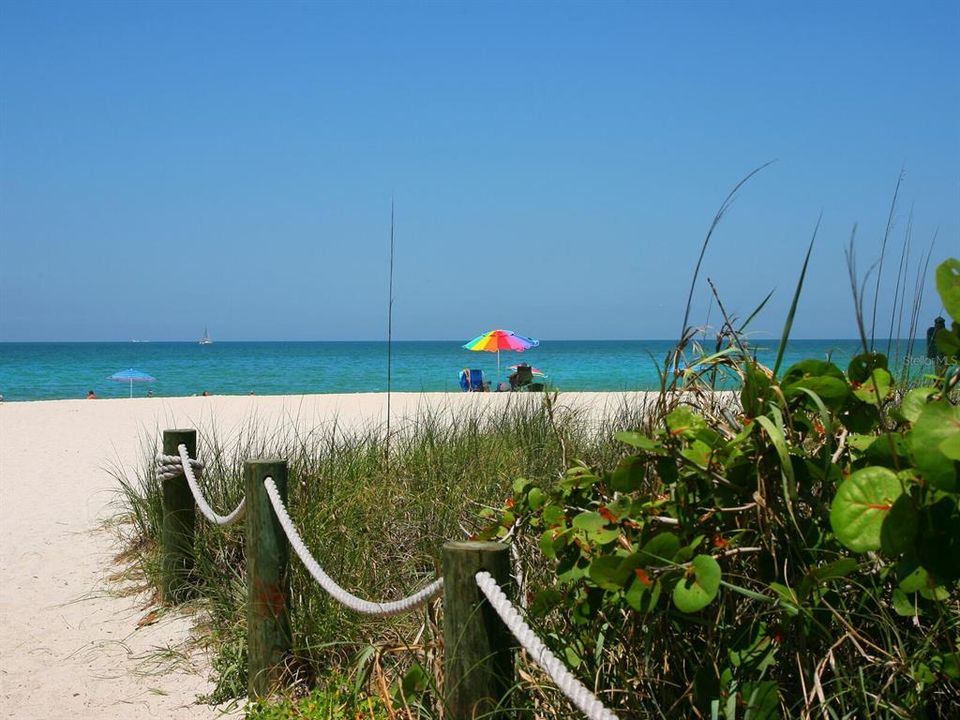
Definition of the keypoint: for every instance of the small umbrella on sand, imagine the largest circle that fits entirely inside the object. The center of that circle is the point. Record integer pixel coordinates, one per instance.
(131, 376)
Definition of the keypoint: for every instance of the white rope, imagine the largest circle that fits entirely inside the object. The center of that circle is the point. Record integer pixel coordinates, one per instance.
(351, 601)
(171, 466)
(585, 700)
(185, 465)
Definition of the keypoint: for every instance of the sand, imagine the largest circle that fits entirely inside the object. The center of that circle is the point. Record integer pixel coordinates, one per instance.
(70, 644)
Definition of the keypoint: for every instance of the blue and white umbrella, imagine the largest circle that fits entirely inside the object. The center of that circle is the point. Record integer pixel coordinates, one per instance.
(131, 376)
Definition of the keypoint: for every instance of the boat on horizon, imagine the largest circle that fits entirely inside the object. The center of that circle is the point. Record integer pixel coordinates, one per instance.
(206, 339)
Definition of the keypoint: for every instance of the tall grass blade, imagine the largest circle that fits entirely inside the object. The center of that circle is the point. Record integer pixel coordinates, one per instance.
(883, 252)
(724, 206)
(788, 325)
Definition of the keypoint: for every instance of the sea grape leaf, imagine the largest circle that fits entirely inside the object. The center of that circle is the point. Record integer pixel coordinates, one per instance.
(861, 367)
(914, 402)
(876, 388)
(811, 369)
(661, 548)
(637, 440)
(699, 585)
(898, 532)
(948, 286)
(628, 475)
(934, 432)
(536, 498)
(683, 421)
(938, 546)
(862, 503)
(858, 416)
(903, 605)
(589, 521)
(643, 594)
(948, 341)
(606, 572)
(824, 379)
(888, 450)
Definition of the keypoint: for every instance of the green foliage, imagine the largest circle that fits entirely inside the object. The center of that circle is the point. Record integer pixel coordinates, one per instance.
(753, 553)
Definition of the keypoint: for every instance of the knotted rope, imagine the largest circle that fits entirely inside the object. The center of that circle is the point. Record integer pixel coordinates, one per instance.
(338, 593)
(171, 466)
(579, 695)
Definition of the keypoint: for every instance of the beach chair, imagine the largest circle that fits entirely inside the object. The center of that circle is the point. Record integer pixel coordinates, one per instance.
(534, 387)
(471, 380)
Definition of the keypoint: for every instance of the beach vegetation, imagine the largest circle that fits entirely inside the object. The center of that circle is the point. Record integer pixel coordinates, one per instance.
(795, 556)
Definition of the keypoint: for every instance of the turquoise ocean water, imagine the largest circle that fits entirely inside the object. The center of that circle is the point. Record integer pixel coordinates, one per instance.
(47, 371)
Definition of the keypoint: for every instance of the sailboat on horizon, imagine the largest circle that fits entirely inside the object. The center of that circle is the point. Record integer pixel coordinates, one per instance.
(206, 339)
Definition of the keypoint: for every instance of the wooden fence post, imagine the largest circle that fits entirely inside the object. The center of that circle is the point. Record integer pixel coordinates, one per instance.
(268, 582)
(179, 516)
(477, 647)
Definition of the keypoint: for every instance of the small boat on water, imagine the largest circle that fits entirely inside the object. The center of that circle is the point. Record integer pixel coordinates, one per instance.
(206, 339)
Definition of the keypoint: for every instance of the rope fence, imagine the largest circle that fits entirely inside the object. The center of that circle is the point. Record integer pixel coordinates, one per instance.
(478, 653)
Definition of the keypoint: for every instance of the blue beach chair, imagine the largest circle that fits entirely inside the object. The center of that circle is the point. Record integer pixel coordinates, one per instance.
(472, 380)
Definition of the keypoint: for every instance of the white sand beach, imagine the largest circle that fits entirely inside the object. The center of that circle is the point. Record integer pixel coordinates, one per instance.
(70, 645)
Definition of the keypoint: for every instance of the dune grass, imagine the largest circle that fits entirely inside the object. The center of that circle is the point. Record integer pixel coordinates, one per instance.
(375, 523)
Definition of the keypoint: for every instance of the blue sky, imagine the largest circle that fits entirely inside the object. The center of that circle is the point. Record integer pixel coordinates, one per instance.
(555, 166)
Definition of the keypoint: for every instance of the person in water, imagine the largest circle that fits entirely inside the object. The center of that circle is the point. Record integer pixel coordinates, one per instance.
(91, 395)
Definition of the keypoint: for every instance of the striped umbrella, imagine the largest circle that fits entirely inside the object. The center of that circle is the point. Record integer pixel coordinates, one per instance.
(497, 340)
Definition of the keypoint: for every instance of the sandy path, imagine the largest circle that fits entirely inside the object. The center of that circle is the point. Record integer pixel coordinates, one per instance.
(68, 647)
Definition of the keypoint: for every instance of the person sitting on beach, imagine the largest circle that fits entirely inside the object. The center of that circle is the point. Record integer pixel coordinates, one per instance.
(91, 395)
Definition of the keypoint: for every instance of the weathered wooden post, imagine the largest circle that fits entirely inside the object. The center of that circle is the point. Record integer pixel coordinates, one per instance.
(179, 516)
(477, 646)
(268, 582)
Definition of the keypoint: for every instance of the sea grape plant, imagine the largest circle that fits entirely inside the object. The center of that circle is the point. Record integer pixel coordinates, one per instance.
(796, 547)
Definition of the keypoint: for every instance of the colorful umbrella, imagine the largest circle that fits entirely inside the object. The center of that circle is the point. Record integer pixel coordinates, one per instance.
(497, 340)
(131, 376)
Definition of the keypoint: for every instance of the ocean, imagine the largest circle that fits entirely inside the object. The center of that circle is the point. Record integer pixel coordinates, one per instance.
(53, 371)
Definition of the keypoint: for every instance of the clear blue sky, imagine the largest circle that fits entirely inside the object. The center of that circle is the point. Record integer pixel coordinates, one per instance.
(166, 166)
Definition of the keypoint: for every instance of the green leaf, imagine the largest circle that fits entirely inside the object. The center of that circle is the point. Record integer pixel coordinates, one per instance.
(861, 367)
(589, 521)
(553, 515)
(699, 585)
(888, 450)
(914, 402)
(837, 569)
(862, 503)
(898, 533)
(605, 571)
(948, 341)
(635, 439)
(903, 605)
(762, 699)
(934, 431)
(858, 416)
(948, 286)
(876, 388)
(629, 474)
(661, 548)
(643, 596)
(684, 422)
(536, 498)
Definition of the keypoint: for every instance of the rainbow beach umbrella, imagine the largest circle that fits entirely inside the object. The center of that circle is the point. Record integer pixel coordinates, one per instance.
(497, 340)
